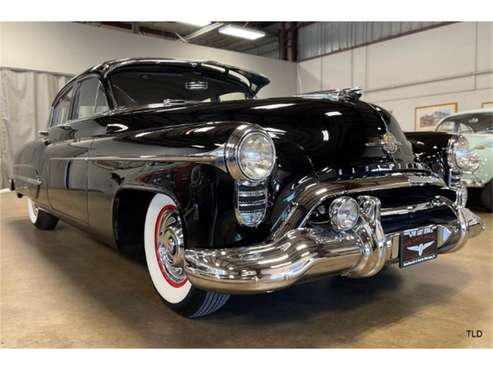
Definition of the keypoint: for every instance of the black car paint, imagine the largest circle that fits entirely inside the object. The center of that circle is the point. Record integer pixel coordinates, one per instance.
(431, 148)
(320, 139)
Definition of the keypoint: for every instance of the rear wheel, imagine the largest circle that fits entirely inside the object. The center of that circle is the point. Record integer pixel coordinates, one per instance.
(40, 218)
(487, 196)
(164, 248)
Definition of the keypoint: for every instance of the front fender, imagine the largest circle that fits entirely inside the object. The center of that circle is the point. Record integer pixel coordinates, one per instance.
(482, 145)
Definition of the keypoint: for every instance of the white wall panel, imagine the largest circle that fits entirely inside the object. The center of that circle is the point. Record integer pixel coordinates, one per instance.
(484, 81)
(440, 52)
(431, 88)
(336, 70)
(359, 67)
(71, 48)
(1, 43)
(310, 75)
(485, 46)
(404, 109)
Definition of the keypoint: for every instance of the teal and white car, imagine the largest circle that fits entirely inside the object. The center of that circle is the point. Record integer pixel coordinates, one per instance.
(477, 127)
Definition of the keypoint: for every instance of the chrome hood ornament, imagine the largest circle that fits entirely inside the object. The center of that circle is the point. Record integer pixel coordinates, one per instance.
(351, 94)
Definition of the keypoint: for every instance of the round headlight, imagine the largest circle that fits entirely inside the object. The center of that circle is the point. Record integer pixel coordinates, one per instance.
(256, 155)
(344, 213)
(460, 156)
(251, 154)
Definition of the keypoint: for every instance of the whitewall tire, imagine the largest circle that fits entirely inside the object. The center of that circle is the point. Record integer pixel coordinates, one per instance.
(164, 243)
(40, 218)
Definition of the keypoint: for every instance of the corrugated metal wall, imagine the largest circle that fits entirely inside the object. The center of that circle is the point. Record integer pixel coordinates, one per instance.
(327, 37)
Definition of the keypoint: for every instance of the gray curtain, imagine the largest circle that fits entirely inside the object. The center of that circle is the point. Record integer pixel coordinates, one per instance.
(25, 99)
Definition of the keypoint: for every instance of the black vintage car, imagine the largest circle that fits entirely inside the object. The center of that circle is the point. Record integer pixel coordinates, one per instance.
(229, 194)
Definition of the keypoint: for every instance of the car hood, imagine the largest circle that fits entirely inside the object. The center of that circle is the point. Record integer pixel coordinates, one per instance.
(309, 133)
(482, 139)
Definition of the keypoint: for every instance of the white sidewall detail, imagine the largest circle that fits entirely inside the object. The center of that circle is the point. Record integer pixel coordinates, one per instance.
(32, 216)
(168, 292)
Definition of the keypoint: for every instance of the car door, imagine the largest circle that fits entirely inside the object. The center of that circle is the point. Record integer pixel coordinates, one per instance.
(70, 139)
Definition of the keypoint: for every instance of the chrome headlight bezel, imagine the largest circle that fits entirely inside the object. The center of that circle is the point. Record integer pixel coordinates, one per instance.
(233, 153)
(459, 155)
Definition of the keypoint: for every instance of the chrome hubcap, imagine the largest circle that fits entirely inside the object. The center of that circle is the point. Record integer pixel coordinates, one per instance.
(170, 246)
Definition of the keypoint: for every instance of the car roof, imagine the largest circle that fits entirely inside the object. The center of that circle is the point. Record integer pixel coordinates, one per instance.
(464, 112)
(472, 111)
(256, 80)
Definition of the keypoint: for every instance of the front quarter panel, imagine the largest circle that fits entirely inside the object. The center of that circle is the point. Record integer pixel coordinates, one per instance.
(125, 162)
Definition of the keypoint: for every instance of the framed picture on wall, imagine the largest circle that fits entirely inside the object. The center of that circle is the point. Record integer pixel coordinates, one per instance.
(487, 104)
(427, 117)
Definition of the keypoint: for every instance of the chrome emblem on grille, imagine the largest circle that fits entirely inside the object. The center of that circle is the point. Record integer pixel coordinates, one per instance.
(390, 143)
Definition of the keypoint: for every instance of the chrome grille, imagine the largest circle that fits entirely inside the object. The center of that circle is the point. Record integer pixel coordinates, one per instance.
(251, 203)
(402, 208)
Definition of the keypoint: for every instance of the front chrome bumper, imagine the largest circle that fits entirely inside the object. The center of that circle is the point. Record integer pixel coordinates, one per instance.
(307, 252)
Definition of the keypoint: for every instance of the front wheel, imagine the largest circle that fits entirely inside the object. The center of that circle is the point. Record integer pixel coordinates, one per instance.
(164, 248)
(39, 218)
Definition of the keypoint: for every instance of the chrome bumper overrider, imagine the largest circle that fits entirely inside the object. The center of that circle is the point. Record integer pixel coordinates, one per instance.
(307, 252)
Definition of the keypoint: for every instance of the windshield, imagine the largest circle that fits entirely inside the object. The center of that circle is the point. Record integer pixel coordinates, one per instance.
(157, 84)
(468, 123)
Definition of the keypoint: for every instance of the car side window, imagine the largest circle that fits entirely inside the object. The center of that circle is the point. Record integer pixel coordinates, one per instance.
(101, 101)
(465, 129)
(447, 126)
(90, 99)
(62, 109)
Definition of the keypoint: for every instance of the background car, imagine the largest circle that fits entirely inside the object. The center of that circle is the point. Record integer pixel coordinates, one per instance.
(477, 127)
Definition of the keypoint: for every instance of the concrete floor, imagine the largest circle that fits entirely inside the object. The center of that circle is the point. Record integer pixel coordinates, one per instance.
(63, 289)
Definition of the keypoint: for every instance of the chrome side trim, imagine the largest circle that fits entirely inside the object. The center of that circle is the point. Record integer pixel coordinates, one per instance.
(214, 157)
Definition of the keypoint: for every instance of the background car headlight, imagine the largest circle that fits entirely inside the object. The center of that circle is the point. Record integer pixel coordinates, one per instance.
(250, 154)
(460, 156)
(344, 213)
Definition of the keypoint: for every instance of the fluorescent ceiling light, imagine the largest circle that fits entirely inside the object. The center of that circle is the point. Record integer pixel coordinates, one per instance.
(197, 23)
(241, 32)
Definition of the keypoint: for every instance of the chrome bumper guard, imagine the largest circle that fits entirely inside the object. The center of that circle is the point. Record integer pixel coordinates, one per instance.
(307, 252)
